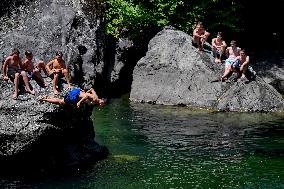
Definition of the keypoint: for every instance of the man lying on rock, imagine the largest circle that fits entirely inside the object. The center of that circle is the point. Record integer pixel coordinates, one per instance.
(75, 97)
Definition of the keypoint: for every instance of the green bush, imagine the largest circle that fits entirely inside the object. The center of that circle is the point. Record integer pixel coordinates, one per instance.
(136, 16)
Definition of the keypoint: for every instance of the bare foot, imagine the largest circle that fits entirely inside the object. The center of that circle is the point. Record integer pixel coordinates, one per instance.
(216, 60)
(224, 78)
(31, 92)
(42, 98)
(55, 92)
(45, 84)
(14, 96)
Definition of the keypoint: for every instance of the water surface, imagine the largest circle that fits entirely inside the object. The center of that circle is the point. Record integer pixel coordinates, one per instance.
(156, 146)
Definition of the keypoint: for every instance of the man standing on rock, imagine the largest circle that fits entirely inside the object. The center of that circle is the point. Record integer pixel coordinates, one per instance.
(12, 71)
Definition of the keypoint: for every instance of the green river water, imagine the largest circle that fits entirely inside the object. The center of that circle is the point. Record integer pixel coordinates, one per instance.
(164, 147)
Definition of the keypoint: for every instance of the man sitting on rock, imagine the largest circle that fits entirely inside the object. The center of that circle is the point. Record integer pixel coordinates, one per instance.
(33, 71)
(12, 70)
(75, 97)
(56, 68)
(232, 62)
(218, 47)
(199, 36)
(244, 61)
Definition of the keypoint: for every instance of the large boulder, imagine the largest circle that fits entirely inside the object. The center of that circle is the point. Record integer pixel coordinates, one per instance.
(269, 66)
(47, 26)
(174, 72)
(43, 135)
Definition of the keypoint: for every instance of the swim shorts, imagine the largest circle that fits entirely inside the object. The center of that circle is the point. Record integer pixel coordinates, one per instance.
(72, 96)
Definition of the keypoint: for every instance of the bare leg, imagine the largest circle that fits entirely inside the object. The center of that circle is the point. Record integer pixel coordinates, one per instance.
(222, 50)
(41, 66)
(214, 49)
(54, 83)
(16, 86)
(196, 40)
(65, 73)
(27, 83)
(203, 39)
(243, 71)
(57, 101)
(227, 71)
(37, 74)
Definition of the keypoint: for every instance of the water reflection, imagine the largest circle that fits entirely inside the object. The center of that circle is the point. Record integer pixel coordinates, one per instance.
(201, 132)
(181, 148)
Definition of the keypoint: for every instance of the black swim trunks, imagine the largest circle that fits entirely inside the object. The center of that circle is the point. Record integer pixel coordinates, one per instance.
(12, 72)
(60, 74)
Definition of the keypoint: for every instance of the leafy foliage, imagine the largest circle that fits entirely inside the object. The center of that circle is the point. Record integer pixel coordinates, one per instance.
(136, 16)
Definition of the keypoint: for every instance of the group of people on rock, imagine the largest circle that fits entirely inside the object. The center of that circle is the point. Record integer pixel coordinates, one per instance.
(14, 69)
(237, 60)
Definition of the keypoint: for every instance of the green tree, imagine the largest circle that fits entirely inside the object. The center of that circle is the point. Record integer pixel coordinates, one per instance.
(137, 16)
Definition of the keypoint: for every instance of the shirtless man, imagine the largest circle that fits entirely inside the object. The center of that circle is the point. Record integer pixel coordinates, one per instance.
(58, 68)
(199, 36)
(244, 61)
(31, 70)
(75, 97)
(12, 71)
(232, 61)
(218, 47)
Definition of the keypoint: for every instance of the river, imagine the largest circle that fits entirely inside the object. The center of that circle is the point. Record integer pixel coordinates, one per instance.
(164, 147)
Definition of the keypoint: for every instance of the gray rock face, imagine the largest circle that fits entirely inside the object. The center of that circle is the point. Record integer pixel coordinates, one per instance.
(47, 26)
(174, 72)
(42, 134)
(270, 68)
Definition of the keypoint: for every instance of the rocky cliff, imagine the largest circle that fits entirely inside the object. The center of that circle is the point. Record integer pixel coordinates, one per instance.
(33, 132)
(174, 72)
(43, 135)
